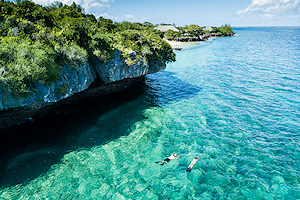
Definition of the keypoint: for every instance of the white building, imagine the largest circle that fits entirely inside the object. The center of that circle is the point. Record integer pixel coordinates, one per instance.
(207, 28)
(164, 28)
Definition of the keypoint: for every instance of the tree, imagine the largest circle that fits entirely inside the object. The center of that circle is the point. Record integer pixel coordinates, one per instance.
(25, 9)
(192, 30)
(148, 24)
(226, 29)
(170, 34)
(91, 17)
(105, 24)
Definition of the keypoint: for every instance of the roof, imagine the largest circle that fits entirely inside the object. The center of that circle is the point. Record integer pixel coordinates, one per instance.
(207, 28)
(164, 28)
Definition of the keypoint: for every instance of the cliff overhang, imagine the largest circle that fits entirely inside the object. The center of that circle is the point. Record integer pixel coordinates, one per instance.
(73, 84)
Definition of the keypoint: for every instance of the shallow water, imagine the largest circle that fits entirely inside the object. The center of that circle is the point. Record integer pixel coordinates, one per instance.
(233, 102)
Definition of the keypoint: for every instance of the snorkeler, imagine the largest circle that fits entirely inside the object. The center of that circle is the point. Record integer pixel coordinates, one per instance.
(192, 164)
(165, 161)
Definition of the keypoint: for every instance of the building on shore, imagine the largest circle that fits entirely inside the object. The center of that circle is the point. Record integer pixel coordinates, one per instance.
(207, 28)
(164, 28)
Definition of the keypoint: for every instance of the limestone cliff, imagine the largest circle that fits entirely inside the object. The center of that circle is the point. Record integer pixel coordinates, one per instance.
(111, 77)
(71, 80)
(117, 69)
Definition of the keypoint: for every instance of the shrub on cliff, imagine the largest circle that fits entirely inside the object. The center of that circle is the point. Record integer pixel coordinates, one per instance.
(147, 44)
(24, 63)
(37, 41)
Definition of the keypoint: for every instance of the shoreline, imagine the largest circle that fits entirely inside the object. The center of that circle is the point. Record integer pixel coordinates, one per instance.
(187, 40)
(175, 44)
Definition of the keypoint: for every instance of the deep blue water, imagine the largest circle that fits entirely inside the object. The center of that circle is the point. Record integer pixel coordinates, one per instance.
(234, 102)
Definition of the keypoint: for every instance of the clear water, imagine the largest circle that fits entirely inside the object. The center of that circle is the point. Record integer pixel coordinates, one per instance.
(234, 102)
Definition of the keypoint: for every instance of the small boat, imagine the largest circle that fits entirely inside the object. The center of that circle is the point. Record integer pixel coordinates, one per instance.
(177, 48)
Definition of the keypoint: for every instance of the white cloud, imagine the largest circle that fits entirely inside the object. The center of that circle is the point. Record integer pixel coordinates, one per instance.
(100, 5)
(119, 19)
(129, 16)
(106, 1)
(96, 7)
(261, 2)
(268, 16)
(271, 10)
(105, 15)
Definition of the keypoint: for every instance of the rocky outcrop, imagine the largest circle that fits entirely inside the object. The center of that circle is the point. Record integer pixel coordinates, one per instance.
(117, 69)
(71, 80)
(73, 84)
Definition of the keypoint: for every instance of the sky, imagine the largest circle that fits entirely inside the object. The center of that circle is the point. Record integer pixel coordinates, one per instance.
(201, 12)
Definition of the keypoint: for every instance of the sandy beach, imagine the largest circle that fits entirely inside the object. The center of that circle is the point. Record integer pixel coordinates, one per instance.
(174, 43)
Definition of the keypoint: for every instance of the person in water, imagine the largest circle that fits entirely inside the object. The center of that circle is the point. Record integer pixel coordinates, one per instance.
(192, 164)
(171, 157)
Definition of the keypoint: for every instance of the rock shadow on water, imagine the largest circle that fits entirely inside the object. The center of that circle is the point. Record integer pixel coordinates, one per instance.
(162, 88)
(29, 150)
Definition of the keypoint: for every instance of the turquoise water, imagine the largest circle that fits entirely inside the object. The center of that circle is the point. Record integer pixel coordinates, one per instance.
(234, 102)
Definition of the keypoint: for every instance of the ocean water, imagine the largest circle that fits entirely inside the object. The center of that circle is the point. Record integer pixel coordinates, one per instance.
(234, 102)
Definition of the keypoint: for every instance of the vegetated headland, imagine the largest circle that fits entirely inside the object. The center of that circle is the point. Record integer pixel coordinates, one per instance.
(54, 55)
(193, 33)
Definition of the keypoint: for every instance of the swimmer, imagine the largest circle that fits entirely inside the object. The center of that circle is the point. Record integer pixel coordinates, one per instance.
(192, 164)
(165, 161)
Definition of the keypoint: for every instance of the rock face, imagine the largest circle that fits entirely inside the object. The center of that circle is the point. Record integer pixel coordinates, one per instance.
(71, 80)
(117, 69)
(73, 84)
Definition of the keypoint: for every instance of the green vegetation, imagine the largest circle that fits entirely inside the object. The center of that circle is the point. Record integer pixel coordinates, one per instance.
(192, 30)
(63, 90)
(195, 30)
(224, 29)
(36, 41)
(172, 34)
